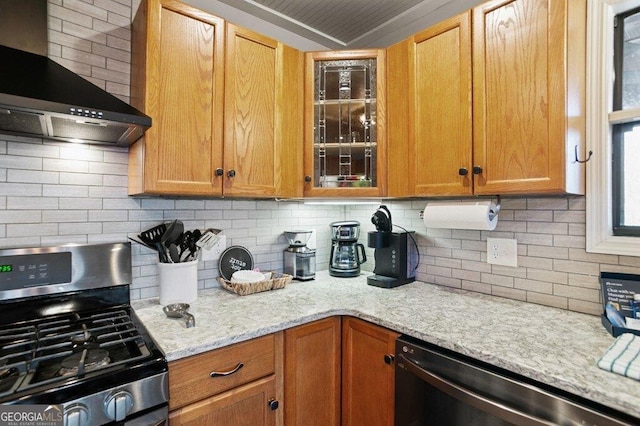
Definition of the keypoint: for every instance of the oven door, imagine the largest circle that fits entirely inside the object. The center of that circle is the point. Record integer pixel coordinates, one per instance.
(439, 387)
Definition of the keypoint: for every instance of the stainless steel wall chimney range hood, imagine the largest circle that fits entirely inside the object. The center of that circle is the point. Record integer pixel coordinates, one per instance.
(39, 97)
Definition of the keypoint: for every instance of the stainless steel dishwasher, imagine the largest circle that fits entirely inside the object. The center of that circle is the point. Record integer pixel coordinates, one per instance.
(435, 386)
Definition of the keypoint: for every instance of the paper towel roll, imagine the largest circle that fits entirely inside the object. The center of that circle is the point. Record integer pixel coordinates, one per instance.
(481, 215)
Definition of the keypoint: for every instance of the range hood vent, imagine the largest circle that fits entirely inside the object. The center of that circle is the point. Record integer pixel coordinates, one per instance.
(39, 97)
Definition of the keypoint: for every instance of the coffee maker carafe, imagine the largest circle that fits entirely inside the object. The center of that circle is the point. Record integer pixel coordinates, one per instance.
(346, 253)
(299, 260)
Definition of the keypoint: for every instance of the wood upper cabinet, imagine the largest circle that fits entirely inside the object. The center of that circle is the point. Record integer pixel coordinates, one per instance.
(345, 124)
(496, 98)
(312, 374)
(432, 152)
(368, 373)
(528, 95)
(222, 121)
(177, 79)
(442, 130)
(263, 116)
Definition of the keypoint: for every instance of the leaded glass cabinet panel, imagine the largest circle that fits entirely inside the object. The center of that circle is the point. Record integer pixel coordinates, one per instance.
(344, 106)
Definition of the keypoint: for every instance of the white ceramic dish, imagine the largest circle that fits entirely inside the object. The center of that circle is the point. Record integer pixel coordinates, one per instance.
(247, 276)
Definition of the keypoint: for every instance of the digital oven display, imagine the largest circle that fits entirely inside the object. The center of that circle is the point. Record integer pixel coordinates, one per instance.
(34, 269)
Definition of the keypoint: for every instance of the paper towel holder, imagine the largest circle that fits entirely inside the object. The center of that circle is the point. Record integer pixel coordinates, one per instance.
(492, 213)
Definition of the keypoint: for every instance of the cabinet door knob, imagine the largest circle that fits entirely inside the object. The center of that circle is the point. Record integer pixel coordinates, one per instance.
(388, 359)
(462, 171)
(273, 404)
(307, 178)
(477, 170)
(231, 173)
(219, 172)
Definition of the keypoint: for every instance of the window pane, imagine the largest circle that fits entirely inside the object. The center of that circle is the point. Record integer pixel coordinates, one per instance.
(631, 61)
(626, 177)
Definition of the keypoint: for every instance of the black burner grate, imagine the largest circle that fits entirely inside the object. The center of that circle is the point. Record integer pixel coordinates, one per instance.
(34, 353)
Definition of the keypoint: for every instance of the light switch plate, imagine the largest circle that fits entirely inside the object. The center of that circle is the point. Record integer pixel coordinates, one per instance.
(502, 251)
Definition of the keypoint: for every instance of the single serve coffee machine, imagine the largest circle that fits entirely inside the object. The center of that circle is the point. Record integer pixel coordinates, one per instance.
(396, 255)
(299, 260)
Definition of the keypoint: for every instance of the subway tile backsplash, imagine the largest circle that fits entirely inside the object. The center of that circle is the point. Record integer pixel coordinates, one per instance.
(54, 193)
(553, 267)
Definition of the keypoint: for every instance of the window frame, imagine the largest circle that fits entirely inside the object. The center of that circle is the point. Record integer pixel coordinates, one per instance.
(600, 117)
(619, 129)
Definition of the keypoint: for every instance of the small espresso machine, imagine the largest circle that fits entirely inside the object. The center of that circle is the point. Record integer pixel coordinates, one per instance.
(299, 260)
(346, 253)
(396, 255)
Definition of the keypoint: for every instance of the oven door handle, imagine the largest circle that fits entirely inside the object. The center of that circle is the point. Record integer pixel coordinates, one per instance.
(469, 397)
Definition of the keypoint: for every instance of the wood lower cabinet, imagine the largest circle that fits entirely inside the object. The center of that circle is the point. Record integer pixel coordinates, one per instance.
(312, 374)
(329, 372)
(248, 405)
(225, 120)
(239, 384)
(368, 373)
(339, 371)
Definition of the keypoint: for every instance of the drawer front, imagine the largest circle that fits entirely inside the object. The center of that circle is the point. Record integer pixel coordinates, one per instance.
(190, 378)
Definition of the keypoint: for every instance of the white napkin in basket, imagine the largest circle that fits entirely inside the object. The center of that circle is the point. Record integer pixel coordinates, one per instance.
(247, 276)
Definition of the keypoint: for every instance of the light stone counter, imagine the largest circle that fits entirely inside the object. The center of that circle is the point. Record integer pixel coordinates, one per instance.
(553, 346)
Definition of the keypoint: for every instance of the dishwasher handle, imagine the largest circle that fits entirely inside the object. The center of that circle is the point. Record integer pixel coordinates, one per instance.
(469, 397)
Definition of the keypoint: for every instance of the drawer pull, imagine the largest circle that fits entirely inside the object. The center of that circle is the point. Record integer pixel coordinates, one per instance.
(226, 373)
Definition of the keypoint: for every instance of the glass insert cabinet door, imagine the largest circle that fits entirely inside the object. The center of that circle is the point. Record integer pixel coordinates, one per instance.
(344, 123)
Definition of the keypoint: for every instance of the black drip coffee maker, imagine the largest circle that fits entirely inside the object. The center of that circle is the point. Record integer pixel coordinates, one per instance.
(395, 256)
(346, 253)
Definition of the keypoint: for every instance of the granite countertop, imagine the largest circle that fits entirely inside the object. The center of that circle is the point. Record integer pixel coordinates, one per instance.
(553, 346)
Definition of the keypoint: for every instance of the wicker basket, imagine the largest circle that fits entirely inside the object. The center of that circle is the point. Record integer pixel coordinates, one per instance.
(276, 282)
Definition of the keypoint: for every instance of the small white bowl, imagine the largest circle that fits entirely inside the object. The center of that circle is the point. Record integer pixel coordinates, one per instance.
(246, 276)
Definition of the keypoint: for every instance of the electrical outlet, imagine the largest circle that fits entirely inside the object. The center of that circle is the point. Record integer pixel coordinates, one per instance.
(214, 252)
(502, 251)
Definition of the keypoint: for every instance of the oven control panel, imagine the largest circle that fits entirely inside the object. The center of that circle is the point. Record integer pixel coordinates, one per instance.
(31, 270)
(40, 271)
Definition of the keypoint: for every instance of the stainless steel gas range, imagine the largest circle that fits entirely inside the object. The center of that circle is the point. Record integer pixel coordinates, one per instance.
(69, 337)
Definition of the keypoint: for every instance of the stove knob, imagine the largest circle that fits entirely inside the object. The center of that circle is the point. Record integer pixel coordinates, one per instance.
(76, 415)
(118, 405)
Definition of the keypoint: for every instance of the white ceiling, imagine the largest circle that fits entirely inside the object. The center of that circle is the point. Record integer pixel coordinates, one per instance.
(337, 24)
